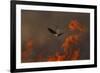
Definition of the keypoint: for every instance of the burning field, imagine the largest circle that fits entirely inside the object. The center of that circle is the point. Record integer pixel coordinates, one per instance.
(67, 39)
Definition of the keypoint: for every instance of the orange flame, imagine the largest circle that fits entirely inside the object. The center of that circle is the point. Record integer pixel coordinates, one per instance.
(69, 41)
(29, 44)
(27, 52)
(74, 25)
(56, 58)
(75, 55)
(52, 58)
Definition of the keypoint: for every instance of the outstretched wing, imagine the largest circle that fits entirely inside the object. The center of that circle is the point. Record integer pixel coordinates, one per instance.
(52, 31)
(60, 34)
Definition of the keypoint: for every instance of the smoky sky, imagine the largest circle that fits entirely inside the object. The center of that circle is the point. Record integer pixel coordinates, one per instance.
(35, 24)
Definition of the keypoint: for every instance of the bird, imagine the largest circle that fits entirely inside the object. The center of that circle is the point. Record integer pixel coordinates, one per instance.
(56, 32)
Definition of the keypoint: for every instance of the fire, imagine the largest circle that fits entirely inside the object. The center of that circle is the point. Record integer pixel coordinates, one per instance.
(76, 54)
(28, 50)
(69, 41)
(29, 44)
(74, 25)
(57, 57)
(52, 58)
(67, 45)
(73, 40)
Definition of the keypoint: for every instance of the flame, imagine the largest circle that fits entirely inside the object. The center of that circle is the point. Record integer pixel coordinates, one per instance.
(52, 58)
(74, 25)
(28, 50)
(69, 41)
(57, 57)
(29, 44)
(76, 54)
(73, 40)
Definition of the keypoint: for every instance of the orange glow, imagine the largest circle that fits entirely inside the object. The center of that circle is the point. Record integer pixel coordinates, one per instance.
(56, 58)
(52, 58)
(75, 55)
(69, 41)
(28, 51)
(74, 25)
(29, 44)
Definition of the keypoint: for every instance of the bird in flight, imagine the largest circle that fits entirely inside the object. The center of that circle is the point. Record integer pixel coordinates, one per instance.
(55, 33)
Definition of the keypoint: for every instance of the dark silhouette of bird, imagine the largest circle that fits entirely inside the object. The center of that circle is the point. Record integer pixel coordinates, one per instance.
(55, 32)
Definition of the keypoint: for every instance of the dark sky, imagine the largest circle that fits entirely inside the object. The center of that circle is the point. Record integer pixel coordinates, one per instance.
(35, 25)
